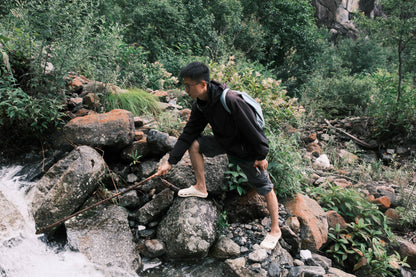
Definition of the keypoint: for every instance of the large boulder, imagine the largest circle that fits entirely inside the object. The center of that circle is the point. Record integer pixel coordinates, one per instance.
(66, 185)
(112, 129)
(155, 207)
(103, 235)
(314, 224)
(189, 228)
(182, 175)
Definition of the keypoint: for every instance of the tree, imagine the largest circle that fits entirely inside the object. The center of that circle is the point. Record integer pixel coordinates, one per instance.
(397, 29)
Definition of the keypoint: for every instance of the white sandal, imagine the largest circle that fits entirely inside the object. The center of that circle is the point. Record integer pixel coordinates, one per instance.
(270, 241)
(191, 191)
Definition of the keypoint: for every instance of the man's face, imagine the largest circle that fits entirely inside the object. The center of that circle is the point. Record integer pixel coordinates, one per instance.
(195, 89)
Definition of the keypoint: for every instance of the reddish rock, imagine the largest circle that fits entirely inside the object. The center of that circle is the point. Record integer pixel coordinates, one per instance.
(138, 135)
(393, 215)
(335, 218)
(342, 183)
(314, 148)
(383, 201)
(92, 101)
(113, 129)
(314, 224)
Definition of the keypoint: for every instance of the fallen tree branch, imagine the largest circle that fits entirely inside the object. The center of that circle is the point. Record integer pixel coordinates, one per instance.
(96, 204)
(355, 139)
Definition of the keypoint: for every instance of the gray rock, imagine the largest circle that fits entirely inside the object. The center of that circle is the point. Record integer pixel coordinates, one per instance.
(182, 174)
(160, 142)
(103, 235)
(112, 129)
(154, 208)
(66, 186)
(189, 228)
(225, 248)
(258, 255)
(306, 271)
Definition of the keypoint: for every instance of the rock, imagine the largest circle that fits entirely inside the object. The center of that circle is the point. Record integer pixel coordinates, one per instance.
(66, 185)
(406, 249)
(347, 157)
(237, 267)
(293, 223)
(225, 248)
(314, 148)
(335, 218)
(339, 273)
(342, 183)
(159, 142)
(246, 208)
(306, 271)
(12, 221)
(189, 228)
(258, 255)
(322, 162)
(112, 129)
(384, 202)
(154, 248)
(135, 151)
(154, 208)
(394, 216)
(314, 224)
(182, 174)
(130, 200)
(103, 235)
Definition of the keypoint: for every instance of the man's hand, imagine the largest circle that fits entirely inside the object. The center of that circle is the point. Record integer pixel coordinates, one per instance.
(164, 168)
(262, 165)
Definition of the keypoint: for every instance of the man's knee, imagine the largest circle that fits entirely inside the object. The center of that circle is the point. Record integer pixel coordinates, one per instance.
(194, 148)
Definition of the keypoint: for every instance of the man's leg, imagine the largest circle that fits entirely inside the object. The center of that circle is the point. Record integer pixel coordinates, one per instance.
(197, 161)
(273, 207)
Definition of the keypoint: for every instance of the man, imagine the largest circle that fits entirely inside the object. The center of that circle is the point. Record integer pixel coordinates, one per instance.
(237, 134)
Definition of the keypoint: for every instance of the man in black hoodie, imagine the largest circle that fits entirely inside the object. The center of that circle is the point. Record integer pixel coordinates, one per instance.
(237, 134)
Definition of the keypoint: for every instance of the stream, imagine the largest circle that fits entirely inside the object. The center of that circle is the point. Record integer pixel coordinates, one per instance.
(27, 254)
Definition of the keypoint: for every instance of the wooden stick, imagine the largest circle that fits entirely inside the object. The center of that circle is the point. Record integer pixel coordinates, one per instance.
(96, 204)
(170, 185)
(357, 140)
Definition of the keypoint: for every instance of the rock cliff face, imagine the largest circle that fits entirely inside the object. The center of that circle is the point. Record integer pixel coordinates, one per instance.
(337, 14)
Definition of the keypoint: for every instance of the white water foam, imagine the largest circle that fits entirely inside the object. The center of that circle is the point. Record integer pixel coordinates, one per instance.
(28, 255)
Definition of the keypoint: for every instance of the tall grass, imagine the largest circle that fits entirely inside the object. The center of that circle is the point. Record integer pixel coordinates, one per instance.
(137, 101)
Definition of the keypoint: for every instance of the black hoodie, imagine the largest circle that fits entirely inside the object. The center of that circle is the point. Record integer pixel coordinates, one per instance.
(238, 132)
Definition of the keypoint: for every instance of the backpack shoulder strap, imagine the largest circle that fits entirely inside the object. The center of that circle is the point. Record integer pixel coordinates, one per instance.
(223, 102)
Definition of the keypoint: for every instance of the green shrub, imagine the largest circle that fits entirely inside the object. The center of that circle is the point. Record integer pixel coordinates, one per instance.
(362, 245)
(22, 115)
(392, 116)
(236, 179)
(137, 101)
(338, 96)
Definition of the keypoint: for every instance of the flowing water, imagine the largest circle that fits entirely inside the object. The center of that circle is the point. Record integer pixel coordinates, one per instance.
(27, 254)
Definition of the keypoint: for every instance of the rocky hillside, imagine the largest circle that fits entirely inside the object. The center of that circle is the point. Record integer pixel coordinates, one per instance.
(150, 230)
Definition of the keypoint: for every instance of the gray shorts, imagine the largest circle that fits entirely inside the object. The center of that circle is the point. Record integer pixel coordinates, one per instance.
(209, 146)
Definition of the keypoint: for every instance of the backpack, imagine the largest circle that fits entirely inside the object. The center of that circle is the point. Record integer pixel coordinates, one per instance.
(250, 101)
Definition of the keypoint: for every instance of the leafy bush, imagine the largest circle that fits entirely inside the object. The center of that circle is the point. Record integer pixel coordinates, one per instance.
(236, 179)
(362, 244)
(392, 116)
(137, 101)
(22, 115)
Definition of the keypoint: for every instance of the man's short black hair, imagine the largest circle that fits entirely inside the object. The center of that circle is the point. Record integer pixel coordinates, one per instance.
(197, 71)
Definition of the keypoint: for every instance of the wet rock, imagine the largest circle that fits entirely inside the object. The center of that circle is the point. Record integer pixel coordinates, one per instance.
(66, 185)
(103, 235)
(188, 229)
